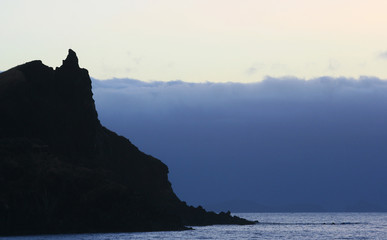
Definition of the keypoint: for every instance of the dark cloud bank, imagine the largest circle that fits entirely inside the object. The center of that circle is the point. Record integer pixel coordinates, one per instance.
(279, 145)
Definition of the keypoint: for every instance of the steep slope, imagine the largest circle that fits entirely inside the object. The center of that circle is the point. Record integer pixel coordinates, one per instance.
(61, 171)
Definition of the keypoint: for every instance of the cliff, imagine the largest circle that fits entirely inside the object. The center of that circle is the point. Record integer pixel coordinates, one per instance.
(61, 171)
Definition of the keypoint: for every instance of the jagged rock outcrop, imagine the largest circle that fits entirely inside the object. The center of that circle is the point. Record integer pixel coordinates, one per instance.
(61, 171)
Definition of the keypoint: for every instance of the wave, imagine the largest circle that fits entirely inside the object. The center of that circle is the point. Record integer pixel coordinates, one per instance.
(310, 224)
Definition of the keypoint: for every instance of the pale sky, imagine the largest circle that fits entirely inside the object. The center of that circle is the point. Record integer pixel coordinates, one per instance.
(199, 40)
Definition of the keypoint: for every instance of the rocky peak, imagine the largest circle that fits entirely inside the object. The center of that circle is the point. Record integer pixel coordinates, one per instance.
(71, 60)
(55, 106)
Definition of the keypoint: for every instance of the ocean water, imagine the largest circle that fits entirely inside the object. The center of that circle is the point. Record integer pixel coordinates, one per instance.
(288, 226)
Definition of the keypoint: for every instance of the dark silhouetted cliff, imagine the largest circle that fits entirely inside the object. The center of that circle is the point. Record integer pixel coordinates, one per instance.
(61, 171)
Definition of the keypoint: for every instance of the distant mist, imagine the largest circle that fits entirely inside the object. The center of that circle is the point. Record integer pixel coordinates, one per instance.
(319, 144)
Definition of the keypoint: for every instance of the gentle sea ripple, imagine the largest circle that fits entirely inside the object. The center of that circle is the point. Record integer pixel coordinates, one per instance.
(297, 226)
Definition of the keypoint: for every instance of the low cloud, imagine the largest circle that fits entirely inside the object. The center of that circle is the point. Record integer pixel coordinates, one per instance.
(383, 55)
(251, 71)
(333, 65)
(279, 141)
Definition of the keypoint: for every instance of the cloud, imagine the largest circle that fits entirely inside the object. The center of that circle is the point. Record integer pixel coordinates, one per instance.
(251, 71)
(280, 141)
(333, 65)
(383, 55)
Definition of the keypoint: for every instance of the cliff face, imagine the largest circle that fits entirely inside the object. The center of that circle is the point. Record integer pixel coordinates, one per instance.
(61, 171)
(55, 106)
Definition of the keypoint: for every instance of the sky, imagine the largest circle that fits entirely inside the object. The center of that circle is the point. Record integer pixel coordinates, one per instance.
(318, 145)
(200, 40)
(264, 102)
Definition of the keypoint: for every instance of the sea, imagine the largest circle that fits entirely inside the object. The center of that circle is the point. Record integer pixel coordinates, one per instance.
(297, 226)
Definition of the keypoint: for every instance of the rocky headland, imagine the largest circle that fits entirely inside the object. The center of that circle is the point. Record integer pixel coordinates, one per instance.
(61, 171)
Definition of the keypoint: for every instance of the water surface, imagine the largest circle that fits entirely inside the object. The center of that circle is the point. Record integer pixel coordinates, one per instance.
(297, 226)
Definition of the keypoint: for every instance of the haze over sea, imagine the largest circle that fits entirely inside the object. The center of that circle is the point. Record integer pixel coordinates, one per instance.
(297, 226)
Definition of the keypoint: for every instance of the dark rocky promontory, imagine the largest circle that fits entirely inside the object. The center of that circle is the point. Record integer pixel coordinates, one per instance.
(61, 171)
